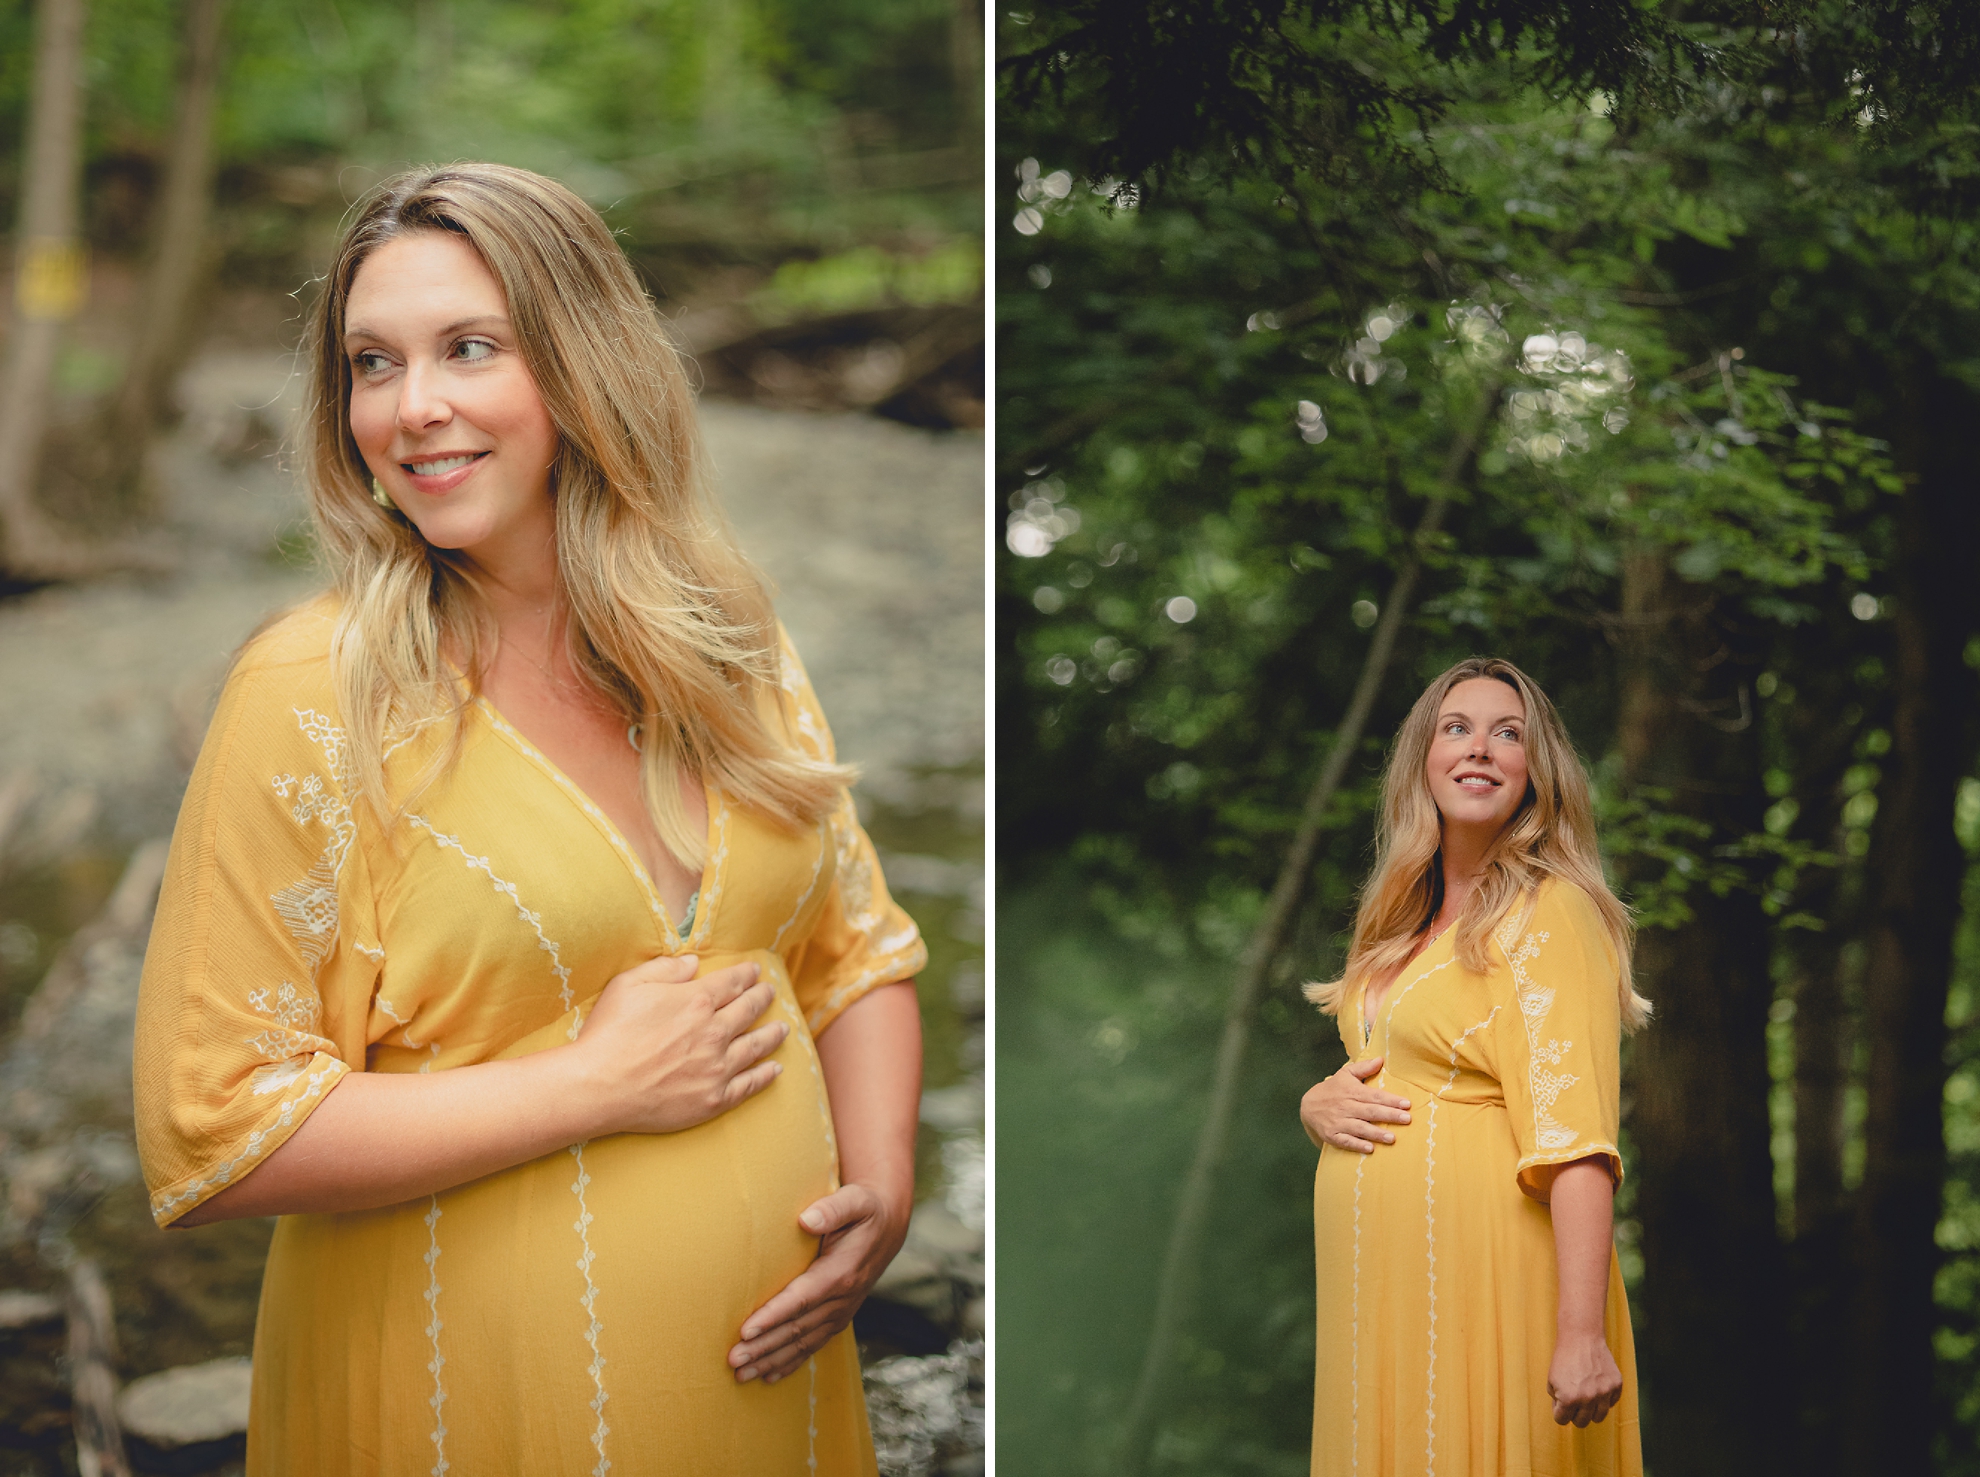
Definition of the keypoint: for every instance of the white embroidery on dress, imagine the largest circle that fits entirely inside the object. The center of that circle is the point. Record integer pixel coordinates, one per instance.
(405, 1034)
(1535, 1003)
(811, 1420)
(890, 956)
(1354, 1330)
(308, 908)
(817, 870)
(165, 1205)
(508, 890)
(433, 1326)
(371, 952)
(1430, 1233)
(583, 801)
(714, 875)
(1430, 1255)
(589, 1302)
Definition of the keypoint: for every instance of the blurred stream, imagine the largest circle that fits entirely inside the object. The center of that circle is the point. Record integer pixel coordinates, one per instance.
(872, 532)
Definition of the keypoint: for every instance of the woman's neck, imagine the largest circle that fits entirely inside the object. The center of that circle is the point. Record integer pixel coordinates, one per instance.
(523, 595)
(1462, 855)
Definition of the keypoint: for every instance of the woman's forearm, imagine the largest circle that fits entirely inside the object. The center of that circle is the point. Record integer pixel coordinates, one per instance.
(383, 1138)
(661, 1050)
(871, 1056)
(1583, 1207)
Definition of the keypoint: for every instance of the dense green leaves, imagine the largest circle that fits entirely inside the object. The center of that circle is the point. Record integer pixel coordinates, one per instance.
(1615, 340)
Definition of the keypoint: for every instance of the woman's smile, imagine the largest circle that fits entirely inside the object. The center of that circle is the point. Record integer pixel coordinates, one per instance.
(434, 475)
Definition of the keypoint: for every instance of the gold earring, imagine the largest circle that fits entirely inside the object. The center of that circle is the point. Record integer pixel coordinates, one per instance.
(380, 497)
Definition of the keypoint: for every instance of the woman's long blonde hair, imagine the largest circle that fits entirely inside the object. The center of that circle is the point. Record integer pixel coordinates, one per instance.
(668, 620)
(1552, 834)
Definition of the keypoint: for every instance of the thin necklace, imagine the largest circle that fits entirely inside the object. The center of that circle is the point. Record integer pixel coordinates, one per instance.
(558, 683)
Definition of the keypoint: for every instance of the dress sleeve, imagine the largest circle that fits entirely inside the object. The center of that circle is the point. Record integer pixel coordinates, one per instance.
(264, 912)
(862, 938)
(1559, 1045)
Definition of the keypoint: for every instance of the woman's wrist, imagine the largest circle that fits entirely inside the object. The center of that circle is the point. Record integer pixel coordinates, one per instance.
(581, 1094)
(893, 1186)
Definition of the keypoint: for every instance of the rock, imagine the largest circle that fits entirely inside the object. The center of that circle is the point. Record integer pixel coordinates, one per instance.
(957, 1109)
(20, 1309)
(195, 1405)
(926, 1409)
(940, 1233)
(920, 1281)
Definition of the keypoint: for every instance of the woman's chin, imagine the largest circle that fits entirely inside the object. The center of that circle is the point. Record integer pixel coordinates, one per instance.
(461, 530)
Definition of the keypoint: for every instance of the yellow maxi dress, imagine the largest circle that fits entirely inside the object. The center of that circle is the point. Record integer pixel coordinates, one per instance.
(1437, 1290)
(572, 1314)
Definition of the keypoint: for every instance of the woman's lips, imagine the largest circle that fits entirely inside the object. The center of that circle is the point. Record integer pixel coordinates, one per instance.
(435, 484)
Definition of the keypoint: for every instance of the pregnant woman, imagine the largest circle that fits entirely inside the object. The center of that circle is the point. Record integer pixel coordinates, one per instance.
(519, 945)
(1472, 1321)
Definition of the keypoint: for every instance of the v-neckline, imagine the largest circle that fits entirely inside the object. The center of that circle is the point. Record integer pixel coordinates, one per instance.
(700, 901)
(1389, 997)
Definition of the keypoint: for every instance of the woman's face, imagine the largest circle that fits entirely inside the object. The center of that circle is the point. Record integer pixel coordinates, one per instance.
(1477, 764)
(442, 405)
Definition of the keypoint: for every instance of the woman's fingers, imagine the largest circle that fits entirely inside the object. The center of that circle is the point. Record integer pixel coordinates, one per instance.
(853, 1250)
(726, 987)
(753, 1046)
(746, 1085)
(1361, 1137)
(745, 1009)
(1379, 1109)
(1363, 1072)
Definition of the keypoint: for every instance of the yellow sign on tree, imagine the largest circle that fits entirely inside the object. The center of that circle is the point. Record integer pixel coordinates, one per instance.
(51, 278)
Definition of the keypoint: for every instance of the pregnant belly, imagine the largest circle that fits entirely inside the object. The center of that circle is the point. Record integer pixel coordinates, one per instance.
(643, 1251)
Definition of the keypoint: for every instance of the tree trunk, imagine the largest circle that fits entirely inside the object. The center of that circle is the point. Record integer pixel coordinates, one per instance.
(1917, 864)
(49, 282)
(1819, 1263)
(966, 65)
(1709, 1346)
(177, 254)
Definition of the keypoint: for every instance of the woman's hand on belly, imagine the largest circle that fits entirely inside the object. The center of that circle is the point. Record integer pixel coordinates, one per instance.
(1343, 1110)
(861, 1231)
(871, 1060)
(664, 1051)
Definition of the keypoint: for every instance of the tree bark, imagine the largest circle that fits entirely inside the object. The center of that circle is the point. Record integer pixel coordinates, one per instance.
(1709, 1347)
(1918, 864)
(966, 66)
(1819, 1267)
(49, 281)
(178, 252)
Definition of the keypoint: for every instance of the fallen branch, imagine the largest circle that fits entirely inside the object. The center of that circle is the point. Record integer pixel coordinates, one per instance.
(92, 1384)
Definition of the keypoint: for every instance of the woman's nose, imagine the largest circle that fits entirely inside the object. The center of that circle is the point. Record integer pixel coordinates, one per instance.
(421, 405)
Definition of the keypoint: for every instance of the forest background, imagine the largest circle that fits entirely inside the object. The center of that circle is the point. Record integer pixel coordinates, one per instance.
(796, 183)
(1638, 344)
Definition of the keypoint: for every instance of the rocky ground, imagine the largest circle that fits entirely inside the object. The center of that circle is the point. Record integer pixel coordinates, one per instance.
(873, 534)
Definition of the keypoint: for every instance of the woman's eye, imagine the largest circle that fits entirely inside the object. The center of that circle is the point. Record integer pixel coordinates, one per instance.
(473, 350)
(369, 362)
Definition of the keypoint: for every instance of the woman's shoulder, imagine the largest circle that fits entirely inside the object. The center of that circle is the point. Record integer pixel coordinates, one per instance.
(281, 679)
(297, 640)
(1559, 911)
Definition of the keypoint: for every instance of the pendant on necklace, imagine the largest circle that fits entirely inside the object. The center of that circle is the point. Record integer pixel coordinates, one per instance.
(1367, 1030)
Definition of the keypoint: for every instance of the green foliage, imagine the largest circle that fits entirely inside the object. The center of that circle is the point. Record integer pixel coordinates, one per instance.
(709, 132)
(1227, 400)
